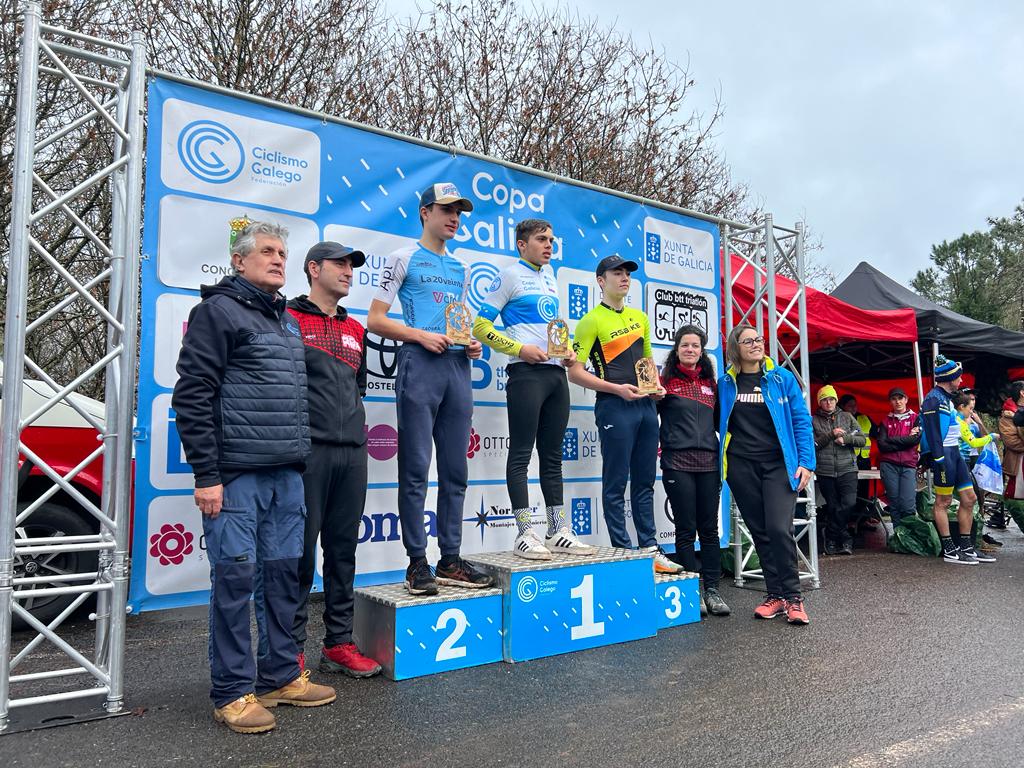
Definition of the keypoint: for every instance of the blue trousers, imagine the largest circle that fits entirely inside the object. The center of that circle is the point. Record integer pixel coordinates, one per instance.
(254, 544)
(628, 432)
(434, 400)
(900, 488)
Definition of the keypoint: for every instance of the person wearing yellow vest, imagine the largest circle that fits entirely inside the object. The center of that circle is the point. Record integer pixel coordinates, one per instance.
(866, 515)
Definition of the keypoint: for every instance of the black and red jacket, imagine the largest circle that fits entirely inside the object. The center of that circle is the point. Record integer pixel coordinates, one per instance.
(689, 413)
(336, 372)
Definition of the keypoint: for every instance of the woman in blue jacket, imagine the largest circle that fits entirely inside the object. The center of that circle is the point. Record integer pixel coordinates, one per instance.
(767, 457)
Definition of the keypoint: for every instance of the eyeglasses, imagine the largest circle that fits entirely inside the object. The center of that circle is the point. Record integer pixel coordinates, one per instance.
(756, 341)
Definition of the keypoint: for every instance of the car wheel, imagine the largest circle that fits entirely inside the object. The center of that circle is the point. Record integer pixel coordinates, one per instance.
(55, 521)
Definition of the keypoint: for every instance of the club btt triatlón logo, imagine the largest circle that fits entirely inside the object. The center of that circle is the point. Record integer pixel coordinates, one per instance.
(211, 151)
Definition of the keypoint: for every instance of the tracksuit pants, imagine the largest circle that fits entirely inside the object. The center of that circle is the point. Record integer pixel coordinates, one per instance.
(767, 503)
(254, 544)
(434, 400)
(335, 492)
(694, 498)
(628, 431)
(538, 413)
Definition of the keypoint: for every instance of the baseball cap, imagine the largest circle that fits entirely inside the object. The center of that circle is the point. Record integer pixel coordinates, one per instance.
(330, 250)
(896, 392)
(614, 262)
(444, 193)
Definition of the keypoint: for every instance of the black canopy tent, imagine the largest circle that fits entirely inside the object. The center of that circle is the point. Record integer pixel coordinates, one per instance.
(986, 350)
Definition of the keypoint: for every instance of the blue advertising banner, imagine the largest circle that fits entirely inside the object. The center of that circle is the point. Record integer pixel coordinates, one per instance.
(213, 157)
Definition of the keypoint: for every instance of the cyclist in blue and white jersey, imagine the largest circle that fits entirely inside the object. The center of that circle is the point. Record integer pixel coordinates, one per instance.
(433, 388)
(525, 294)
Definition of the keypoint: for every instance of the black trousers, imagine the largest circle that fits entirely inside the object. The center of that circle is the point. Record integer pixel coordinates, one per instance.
(335, 488)
(841, 498)
(538, 412)
(694, 499)
(767, 503)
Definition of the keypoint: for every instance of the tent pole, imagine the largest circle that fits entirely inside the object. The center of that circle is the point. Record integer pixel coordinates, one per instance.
(917, 374)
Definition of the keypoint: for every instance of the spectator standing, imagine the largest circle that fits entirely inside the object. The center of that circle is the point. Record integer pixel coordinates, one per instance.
(689, 459)
(241, 411)
(899, 435)
(767, 457)
(1013, 451)
(837, 437)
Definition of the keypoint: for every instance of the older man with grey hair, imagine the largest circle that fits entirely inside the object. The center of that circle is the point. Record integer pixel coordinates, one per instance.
(242, 416)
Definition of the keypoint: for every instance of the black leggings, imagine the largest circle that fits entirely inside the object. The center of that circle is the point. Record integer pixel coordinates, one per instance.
(538, 412)
(694, 500)
(767, 502)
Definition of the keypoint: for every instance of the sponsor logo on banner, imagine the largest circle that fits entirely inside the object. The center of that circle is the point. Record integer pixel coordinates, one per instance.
(381, 364)
(582, 518)
(221, 154)
(579, 301)
(486, 445)
(491, 517)
(670, 307)
(382, 442)
(170, 544)
(571, 444)
(652, 251)
(211, 151)
(679, 253)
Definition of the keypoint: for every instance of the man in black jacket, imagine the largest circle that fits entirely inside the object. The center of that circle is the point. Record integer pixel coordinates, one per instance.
(335, 476)
(240, 401)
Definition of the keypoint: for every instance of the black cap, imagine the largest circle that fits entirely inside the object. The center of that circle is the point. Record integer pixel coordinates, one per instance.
(614, 262)
(896, 392)
(333, 251)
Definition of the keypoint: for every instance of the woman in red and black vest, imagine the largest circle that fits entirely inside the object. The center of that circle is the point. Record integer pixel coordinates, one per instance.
(899, 434)
(689, 458)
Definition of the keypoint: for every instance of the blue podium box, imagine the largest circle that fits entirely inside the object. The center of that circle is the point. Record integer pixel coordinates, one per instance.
(411, 636)
(572, 603)
(678, 599)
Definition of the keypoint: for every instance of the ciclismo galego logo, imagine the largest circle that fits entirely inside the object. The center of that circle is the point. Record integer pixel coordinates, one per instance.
(211, 151)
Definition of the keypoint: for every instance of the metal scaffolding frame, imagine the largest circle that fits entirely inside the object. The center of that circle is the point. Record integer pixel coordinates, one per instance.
(766, 250)
(108, 79)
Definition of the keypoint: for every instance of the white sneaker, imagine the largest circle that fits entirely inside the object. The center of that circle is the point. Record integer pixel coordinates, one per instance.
(528, 545)
(661, 562)
(564, 541)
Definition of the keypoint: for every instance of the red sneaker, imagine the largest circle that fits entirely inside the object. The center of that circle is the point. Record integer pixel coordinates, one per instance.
(347, 659)
(302, 662)
(795, 613)
(770, 608)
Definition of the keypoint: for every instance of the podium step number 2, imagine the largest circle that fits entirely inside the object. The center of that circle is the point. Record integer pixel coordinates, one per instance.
(413, 636)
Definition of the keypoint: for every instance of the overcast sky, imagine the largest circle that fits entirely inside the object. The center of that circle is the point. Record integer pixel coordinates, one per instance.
(890, 126)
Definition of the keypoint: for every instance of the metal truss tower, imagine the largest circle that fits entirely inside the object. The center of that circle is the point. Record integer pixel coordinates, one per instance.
(105, 87)
(764, 251)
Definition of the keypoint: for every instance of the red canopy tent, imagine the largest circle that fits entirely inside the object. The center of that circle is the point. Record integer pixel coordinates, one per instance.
(831, 323)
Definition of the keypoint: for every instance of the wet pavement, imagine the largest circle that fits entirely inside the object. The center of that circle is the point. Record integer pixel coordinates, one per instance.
(907, 662)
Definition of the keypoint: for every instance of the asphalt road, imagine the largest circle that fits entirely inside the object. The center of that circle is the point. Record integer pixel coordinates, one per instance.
(907, 662)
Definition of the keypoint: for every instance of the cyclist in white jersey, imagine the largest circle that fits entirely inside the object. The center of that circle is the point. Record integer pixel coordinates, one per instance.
(525, 294)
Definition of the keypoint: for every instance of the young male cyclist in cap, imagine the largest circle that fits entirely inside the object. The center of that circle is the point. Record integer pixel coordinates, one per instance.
(335, 476)
(433, 390)
(941, 439)
(614, 337)
(526, 296)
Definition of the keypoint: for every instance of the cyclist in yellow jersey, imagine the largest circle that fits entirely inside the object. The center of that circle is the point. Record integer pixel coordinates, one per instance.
(613, 337)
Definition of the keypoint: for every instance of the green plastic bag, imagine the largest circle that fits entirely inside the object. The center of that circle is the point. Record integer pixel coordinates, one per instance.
(914, 536)
(1015, 509)
(753, 564)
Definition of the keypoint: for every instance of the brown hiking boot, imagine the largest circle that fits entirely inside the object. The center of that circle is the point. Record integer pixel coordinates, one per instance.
(299, 693)
(245, 715)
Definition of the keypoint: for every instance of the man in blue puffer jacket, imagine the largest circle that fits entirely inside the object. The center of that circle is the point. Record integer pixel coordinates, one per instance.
(242, 417)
